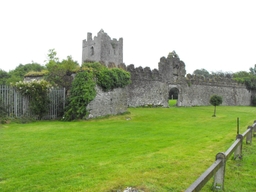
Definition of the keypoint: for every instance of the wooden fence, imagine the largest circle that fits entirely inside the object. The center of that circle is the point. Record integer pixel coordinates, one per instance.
(217, 169)
(15, 104)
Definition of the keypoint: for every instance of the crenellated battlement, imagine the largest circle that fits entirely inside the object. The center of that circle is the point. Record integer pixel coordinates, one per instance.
(102, 49)
(144, 74)
(172, 68)
(212, 81)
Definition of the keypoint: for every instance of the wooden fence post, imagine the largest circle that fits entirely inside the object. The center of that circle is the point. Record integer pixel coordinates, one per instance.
(219, 176)
(254, 128)
(238, 151)
(249, 135)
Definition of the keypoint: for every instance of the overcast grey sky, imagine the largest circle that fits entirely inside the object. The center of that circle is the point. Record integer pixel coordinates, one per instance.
(214, 35)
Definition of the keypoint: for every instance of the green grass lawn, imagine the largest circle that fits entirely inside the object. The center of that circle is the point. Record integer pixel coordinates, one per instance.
(172, 102)
(152, 149)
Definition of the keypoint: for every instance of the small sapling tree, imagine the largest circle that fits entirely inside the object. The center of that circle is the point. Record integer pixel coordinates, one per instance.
(215, 100)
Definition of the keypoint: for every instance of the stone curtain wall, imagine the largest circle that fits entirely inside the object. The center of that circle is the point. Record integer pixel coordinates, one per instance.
(147, 88)
(151, 87)
(108, 103)
(197, 91)
(198, 95)
(147, 93)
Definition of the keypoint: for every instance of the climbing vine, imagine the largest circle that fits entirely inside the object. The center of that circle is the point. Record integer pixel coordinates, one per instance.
(82, 92)
(83, 87)
(109, 78)
(37, 91)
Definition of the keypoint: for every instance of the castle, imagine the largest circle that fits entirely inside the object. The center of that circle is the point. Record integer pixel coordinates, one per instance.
(102, 48)
(152, 87)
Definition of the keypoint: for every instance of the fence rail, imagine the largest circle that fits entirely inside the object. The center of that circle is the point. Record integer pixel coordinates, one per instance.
(14, 104)
(217, 169)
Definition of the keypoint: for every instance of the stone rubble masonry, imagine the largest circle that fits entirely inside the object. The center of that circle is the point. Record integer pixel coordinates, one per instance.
(147, 88)
(108, 103)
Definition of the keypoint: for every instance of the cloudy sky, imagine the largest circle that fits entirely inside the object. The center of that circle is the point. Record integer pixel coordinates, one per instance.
(217, 35)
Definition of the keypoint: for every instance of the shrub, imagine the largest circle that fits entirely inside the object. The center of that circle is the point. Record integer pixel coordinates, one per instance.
(37, 91)
(109, 79)
(82, 92)
(215, 100)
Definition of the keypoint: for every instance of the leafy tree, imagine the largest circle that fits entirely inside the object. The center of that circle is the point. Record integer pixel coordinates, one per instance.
(215, 100)
(241, 74)
(52, 56)
(222, 74)
(19, 72)
(3, 77)
(247, 78)
(203, 72)
(253, 70)
(69, 64)
(59, 72)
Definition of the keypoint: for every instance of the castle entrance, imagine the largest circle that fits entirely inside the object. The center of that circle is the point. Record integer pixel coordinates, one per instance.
(173, 96)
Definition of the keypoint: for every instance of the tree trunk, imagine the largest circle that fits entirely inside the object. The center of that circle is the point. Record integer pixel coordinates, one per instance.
(214, 114)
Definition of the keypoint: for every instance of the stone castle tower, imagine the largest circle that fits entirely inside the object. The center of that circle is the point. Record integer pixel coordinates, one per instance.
(103, 49)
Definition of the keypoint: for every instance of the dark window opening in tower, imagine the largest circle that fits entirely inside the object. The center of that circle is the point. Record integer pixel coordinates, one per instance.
(92, 51)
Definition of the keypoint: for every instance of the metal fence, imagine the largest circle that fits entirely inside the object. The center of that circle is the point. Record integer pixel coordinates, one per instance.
(14, 104)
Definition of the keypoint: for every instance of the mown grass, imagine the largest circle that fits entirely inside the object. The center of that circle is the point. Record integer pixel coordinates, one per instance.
(172, 102)
(152, 149)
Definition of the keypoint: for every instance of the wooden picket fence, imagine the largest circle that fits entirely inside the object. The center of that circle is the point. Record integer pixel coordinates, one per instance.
(217, 169)
(15, 104)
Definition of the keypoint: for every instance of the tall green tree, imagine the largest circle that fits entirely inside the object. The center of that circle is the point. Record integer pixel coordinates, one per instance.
(4, 76)
(247, 78)
(215, 100)
(59, 72)
(18, 73)
(222, 74)
(253, 70)
(52, 56)
(203, 72)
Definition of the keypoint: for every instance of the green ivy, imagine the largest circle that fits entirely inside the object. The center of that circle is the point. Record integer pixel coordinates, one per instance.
(83, 87)
(109, 79)
(37, 91)
(82, 92)
(249, 81)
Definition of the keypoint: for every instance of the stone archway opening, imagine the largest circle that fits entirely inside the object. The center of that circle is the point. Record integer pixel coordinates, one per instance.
(173, 96)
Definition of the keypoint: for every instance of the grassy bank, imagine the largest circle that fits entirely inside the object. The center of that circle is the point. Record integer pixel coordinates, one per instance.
(152, 149)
